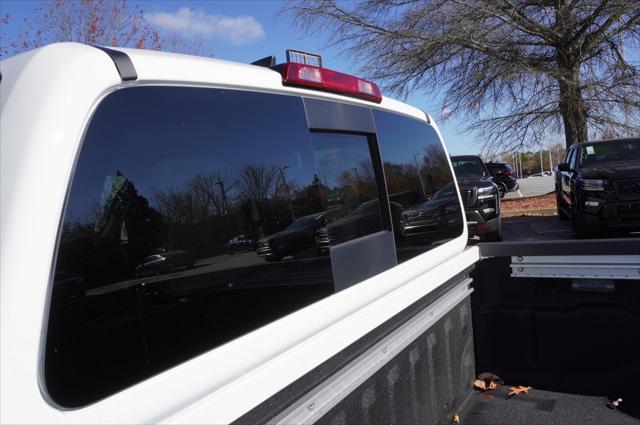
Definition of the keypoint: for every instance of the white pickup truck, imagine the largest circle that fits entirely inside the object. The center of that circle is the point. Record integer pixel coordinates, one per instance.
(189, 240)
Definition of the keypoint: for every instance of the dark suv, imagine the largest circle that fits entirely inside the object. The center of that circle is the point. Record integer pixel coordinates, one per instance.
(598, 186)
(480, 196)
(502, 174)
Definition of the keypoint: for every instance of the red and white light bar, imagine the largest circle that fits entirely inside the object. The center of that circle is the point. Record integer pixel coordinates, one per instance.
(299, 74)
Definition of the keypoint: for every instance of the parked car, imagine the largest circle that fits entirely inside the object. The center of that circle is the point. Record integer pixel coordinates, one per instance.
(598, 187)
(363, 220)
(432, 220)
(503, 176)
(480, 195)
(298, 236)
(165, 262)
(240, 243)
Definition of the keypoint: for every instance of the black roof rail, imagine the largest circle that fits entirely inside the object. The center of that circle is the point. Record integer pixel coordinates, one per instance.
(122, 62)
(267, 62)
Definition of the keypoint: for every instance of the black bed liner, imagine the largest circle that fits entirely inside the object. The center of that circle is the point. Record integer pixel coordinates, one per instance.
(577, 349)
(544, 407)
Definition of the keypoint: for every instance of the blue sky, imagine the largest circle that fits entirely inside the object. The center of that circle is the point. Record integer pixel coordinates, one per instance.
(244, 31)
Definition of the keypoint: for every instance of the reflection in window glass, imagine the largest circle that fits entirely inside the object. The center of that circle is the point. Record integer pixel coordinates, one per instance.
(424, 204)
(189, 225)
(345, 172)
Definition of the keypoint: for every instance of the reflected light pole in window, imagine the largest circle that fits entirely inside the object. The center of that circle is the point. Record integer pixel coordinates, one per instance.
(225, 207)
(424, 192)
(286, 188)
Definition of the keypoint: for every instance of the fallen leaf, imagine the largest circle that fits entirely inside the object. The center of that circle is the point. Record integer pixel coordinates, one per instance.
(487, 381)
(487, 396)
(520, 389)
(456, 418)
(486, 376)
(614, 404)
(479, 384)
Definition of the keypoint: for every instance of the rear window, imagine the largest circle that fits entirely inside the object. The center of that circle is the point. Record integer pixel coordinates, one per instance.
(468, 166)
(198, 215)
(500, 166)
(610, 152)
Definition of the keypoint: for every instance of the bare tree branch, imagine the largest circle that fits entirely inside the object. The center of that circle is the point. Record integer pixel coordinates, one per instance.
(520, 71)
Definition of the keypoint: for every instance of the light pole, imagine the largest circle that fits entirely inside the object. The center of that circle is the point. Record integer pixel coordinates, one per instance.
(357, 184)
(286, 188)
(357, 175)
(424, 192)
(541, 163)
(225, 207)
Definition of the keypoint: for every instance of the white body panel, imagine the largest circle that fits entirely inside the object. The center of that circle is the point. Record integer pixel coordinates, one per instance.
(45, 109)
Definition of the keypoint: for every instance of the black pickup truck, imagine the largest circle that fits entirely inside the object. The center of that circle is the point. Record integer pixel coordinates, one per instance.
(481, 197)
(598, 187)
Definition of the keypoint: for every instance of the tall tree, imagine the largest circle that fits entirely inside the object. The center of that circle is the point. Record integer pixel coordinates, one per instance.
(94, 22)
(518, 70)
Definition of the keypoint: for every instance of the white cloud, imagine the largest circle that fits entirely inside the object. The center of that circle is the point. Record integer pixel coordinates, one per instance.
(238, 30)
(445, 112)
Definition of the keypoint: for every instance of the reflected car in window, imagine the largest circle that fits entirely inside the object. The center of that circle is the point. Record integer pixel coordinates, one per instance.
(433, 219)
(165, 262)
(362, 221)
(240, 243)
(297, 237)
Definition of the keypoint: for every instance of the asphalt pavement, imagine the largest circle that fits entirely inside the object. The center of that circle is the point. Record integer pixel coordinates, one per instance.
(533, 186)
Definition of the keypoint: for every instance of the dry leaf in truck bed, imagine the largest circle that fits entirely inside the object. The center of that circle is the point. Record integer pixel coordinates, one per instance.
(487, 396)
(520, 389)
(480, 385)
(614, 404)
(487, 376)
(455, 419)
(487, 381)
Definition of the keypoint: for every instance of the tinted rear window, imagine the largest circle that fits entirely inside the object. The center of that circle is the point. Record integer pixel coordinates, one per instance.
(500, 166)
(609, 152)
(147, 275)
(198, 215)
(468, 166)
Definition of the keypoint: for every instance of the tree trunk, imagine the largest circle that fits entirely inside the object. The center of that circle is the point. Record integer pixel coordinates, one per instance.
(572, 108)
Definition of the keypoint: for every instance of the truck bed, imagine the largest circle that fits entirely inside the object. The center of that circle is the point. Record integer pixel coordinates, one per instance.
(575, 341)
